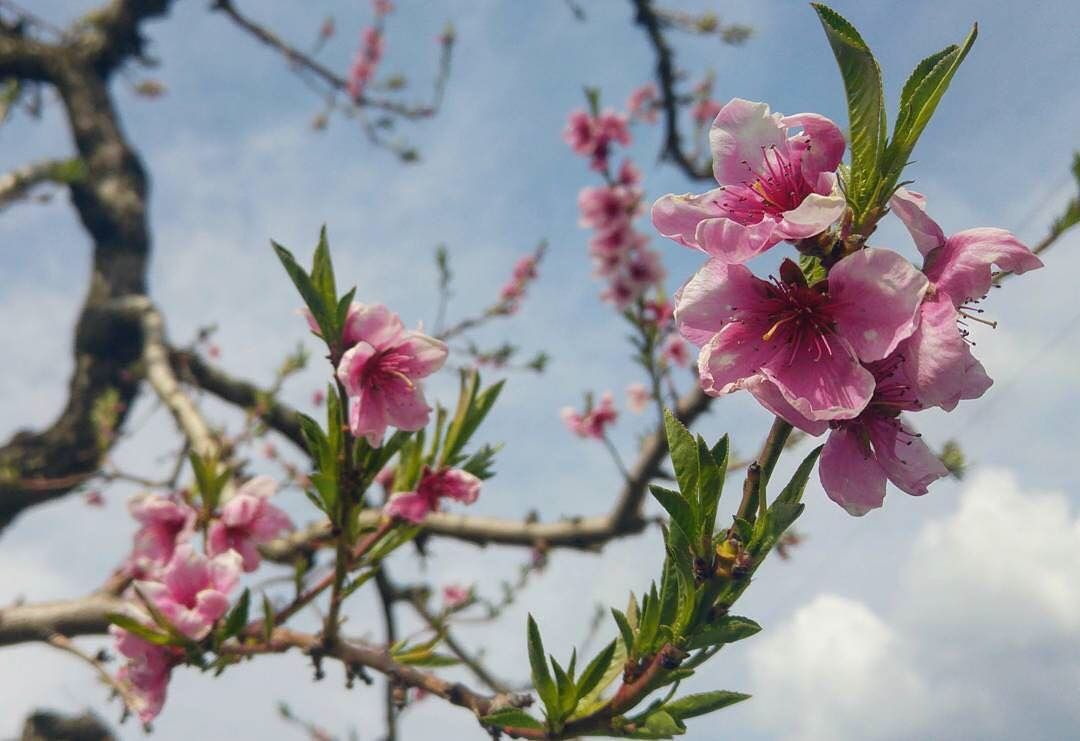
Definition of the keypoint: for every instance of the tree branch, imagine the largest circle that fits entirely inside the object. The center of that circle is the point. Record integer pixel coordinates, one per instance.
(17, 184)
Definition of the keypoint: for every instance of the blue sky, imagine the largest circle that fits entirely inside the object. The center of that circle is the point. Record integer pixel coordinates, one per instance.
(888, 626)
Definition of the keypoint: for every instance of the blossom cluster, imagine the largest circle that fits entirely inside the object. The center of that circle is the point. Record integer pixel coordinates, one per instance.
(847, 350)
(370, 53)
(620, 254)
(594, 421)
(188, 588)
(513, 291)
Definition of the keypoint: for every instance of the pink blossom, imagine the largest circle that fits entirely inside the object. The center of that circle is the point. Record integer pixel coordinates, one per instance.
(592, 136)
(368, 56)
(807, 340)
(381, 373)
(193, 589)
(637, 397)
(146, 672)
(166, 522)
(642, 103)
(317, 398)
(385, 477)
(452, 483)
(455, 595)
(94, 498)
(959, 269)
(675, 351)
(247, 520)
(659, 312)
(594, 421)
(603, 207)
(878, 445)
(773, 186)
(629, 175)
(382, 7)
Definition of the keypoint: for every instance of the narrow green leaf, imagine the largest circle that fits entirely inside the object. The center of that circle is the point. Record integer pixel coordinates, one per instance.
(625, 630)
(357, 583)
(711, 476)
(669, 592)
(650, 621)
(706, 702)
(565, 688)
(237, 617)
(794, 490)
(134, 627)
(541, 677)
(684, 457)
(512, 718)
(322, 273)
(727, 629)
(679, 510)
(595, 670)
(866, 103)
(308, 292)
(660, 724)
(269, 618)
(919, 99)
(428, 658)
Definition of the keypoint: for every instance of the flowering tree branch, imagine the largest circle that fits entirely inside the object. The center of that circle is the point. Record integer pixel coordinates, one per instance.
(17, 184)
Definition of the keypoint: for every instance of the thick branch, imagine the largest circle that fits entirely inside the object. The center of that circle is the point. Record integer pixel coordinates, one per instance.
(277, 415)
(71, 618)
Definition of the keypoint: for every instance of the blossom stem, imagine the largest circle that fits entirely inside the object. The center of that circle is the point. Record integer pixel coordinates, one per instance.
(616, 457)
(759, 472)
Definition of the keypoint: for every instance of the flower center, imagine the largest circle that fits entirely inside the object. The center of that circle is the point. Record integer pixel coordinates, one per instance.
(799, 316)
(777, 187)
(388, 369)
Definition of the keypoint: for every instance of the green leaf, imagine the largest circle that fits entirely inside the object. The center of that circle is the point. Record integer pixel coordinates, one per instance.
(812, 269)
(131, 625)
(711, 474)
(357, 583)
(308, 292)
(679, 510)
(650, 621)
(428, 658)
(660, 724)
(706, 702)
(565, 688)
(269, 618)
(919, 99)
(512, 718)
(866, 103)
(322, 274)
(794, 490)
(684, 457)
(541, 677)
(727, 629)
(625, 630)
(237, 617)
(596, 670)
(669, 592)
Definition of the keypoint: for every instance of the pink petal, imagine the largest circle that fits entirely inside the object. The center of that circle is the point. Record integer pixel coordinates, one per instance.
(350, 370)
(408, 506)
(186, 574)
(849, 472)
(367, 417)
(426, 354)
(732, 242)
(906, 459)
(406, 407)
(225, 571)
(460, 486)
(734, 354)
(820, 148)
(375, 325)
(910, 207)
(875, 295)
(813, 216)
(211, 605)
(713, 296)
(739, 133)
(769, 396)
(961, 269)
(939, 361)
(832, 386)
(217, 538)
(677, 216)
(270, 523)
(241, 510)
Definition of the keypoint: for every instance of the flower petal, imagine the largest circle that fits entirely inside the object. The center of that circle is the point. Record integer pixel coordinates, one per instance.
(938, 360)
(712, 297)
(408, 506)
(910, 207)
(260, 486)
(769, 396)
(375, 325)
(734, 354)
(740, 132)
(426, 354)
(961, 269)
(875, 295)
(813, 216)
(849, 472)
(350, 370)
(903, 455)
(819, 148)
(406, 407)
(833, 385)
(732, 242)
(677, 216)
(367, 417)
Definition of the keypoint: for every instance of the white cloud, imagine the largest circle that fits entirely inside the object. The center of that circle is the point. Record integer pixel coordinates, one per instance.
(982, 639)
